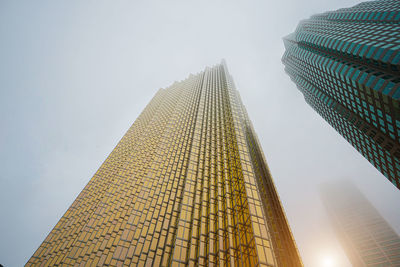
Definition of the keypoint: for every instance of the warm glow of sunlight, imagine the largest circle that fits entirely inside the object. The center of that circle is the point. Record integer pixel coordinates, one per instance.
(327, 262)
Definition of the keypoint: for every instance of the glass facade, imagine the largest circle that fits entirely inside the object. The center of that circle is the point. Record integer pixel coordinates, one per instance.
(187, 185)
(367, 239)
(347, 65)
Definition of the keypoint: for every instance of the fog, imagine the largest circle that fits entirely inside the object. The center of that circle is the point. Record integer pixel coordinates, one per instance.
(74, 75)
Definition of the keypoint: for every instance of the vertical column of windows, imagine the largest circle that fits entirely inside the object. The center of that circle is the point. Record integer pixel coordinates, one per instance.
(256, 246)
(185, 221)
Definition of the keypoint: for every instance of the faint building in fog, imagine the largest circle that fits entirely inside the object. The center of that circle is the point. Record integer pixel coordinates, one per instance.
(367, 239)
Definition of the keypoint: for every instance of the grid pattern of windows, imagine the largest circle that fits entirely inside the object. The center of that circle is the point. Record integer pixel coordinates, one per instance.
(186, 185)
(347, 65)
(367, 239)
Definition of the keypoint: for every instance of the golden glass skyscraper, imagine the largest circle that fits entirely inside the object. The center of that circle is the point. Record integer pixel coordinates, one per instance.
(187, 185)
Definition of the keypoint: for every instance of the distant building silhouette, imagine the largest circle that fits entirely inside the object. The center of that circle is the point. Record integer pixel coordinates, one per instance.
(347, 65)
(367, 239)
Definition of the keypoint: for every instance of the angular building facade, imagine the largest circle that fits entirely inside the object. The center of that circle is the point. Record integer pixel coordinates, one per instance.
(187, 185)
(367, 239)
(347, 65)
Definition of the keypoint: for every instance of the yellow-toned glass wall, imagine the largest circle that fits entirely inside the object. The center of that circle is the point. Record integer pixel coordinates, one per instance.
(187, 185)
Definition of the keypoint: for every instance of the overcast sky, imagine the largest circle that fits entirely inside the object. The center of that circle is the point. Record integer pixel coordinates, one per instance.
(74, 75)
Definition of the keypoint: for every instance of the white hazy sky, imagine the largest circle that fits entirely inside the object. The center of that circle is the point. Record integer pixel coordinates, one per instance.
(74, 75)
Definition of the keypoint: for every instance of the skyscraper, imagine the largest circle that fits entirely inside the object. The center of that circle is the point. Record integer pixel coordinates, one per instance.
(187, 185)
(367, 239)
(347, 65)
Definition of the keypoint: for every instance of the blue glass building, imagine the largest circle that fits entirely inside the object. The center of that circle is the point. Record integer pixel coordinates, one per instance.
(347, 65)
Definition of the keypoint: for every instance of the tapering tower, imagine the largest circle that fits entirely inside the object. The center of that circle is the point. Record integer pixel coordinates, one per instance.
(347, 65)
(187, 185)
